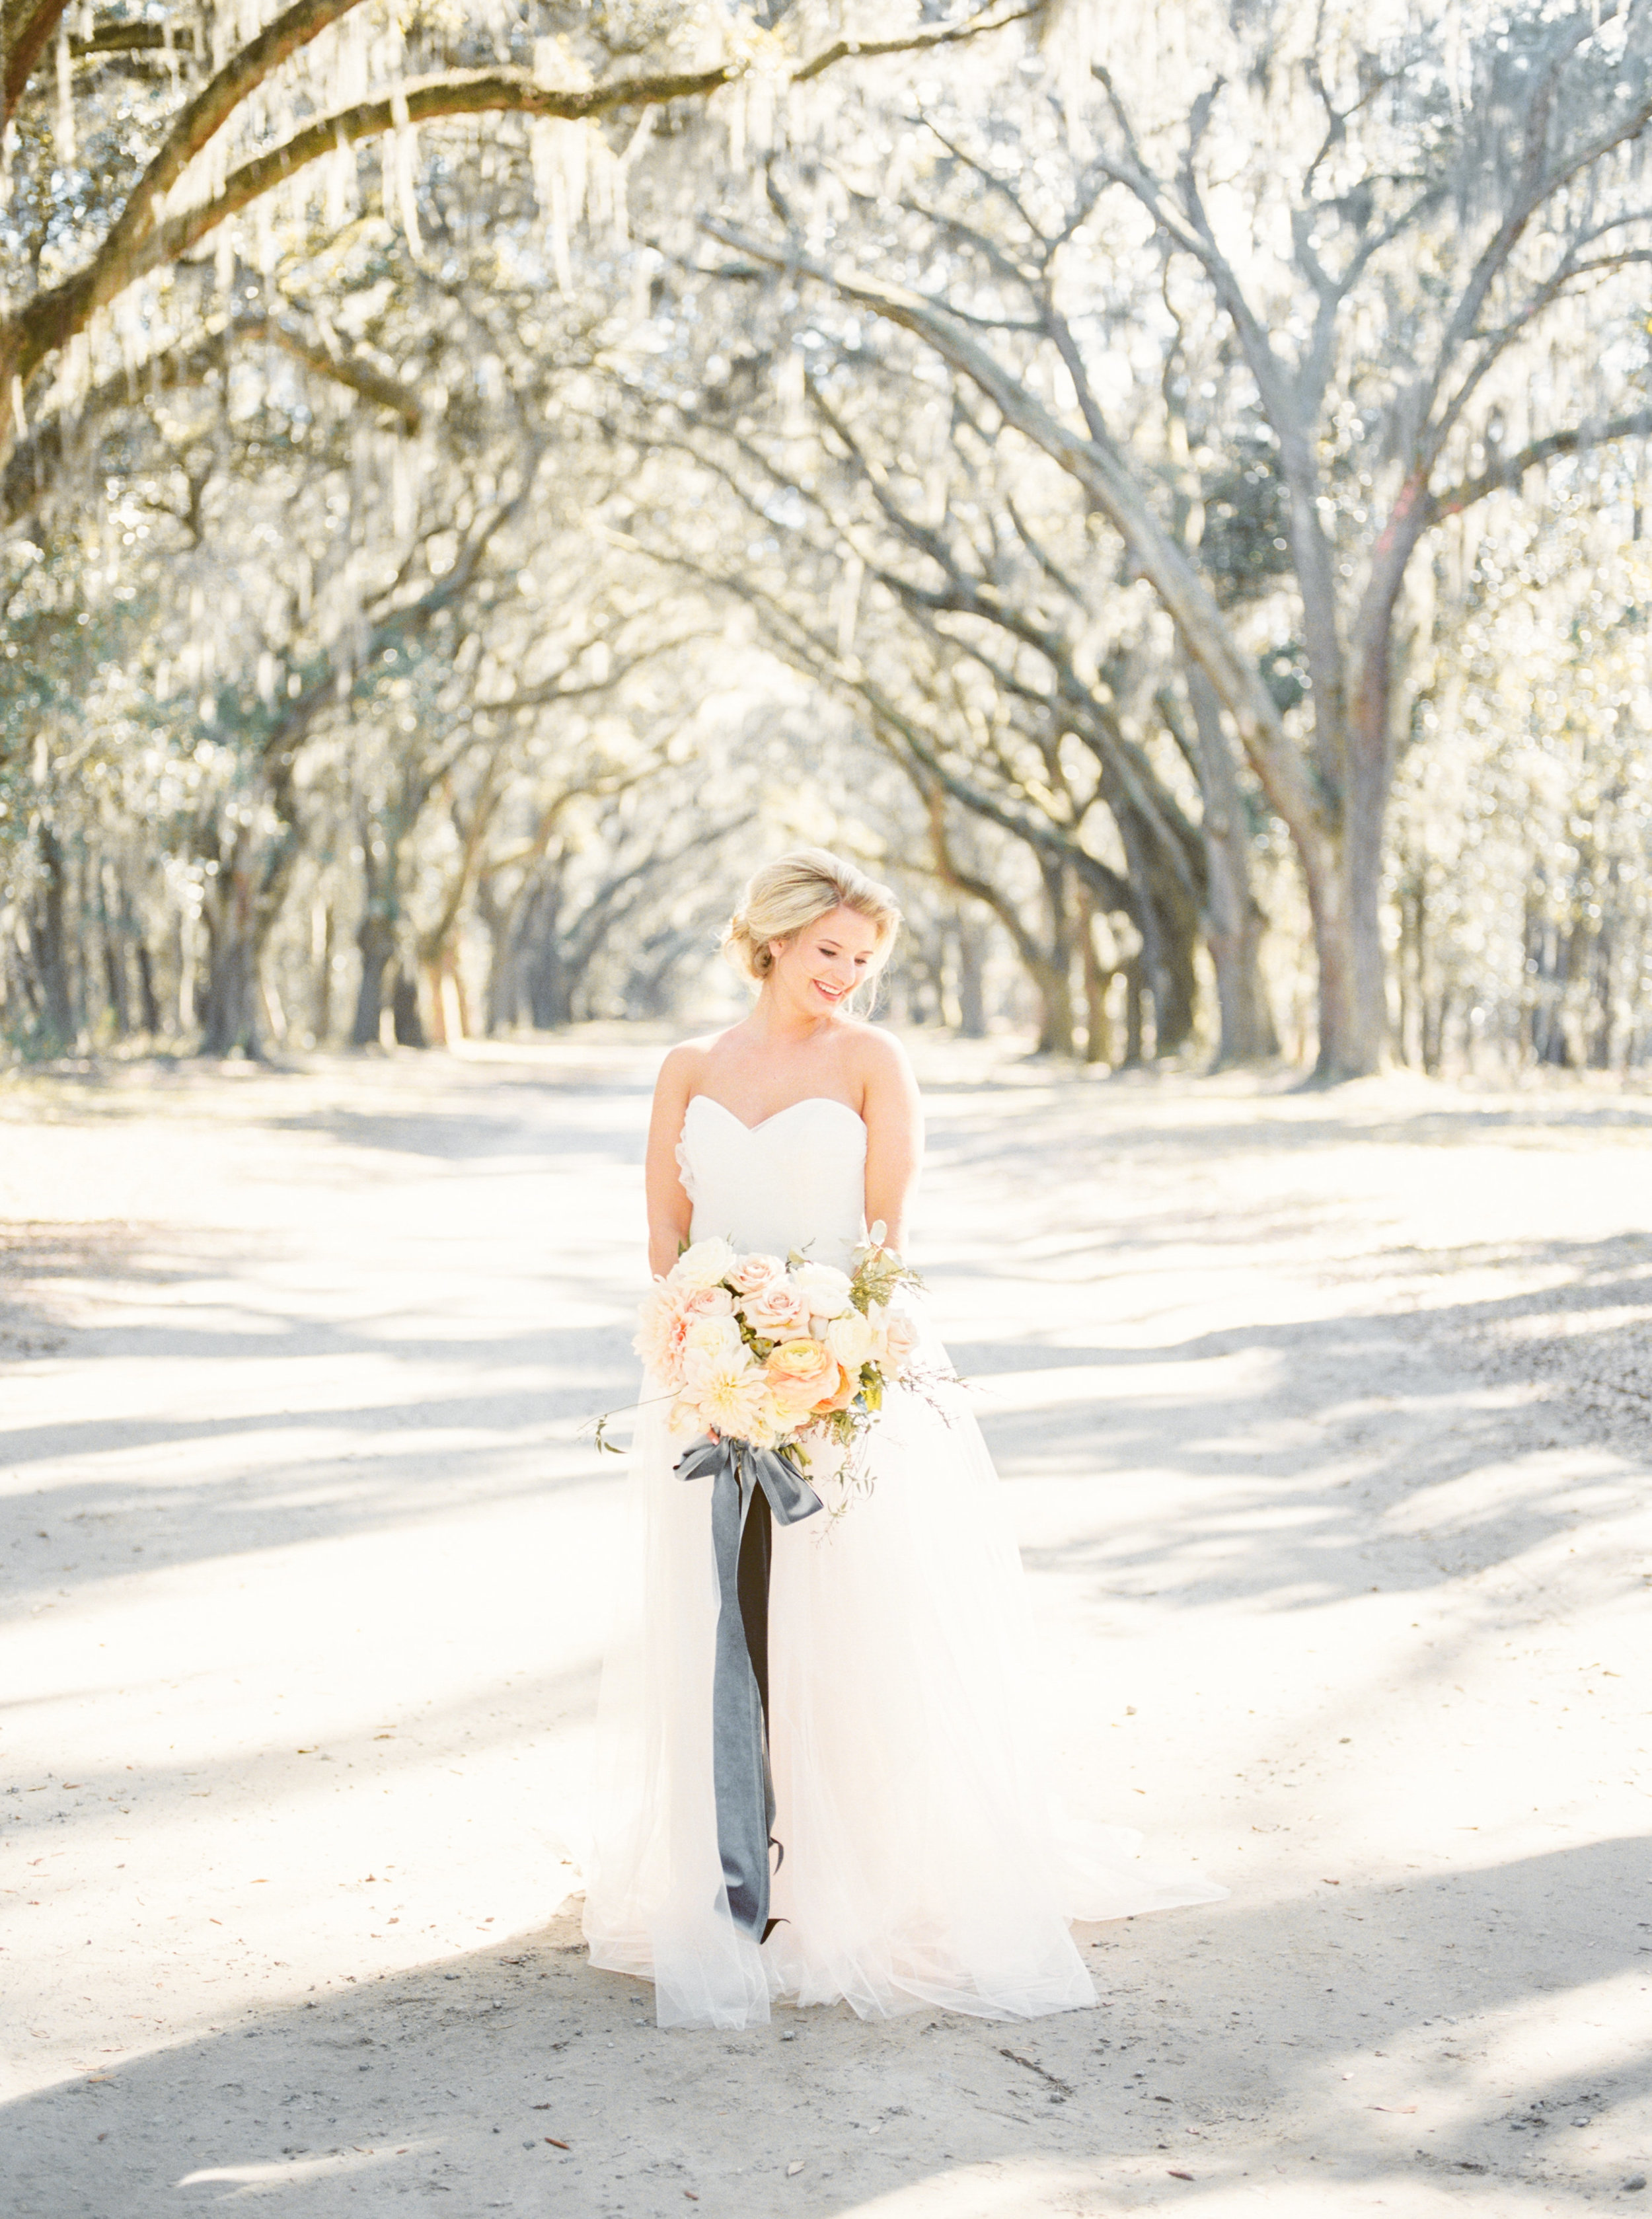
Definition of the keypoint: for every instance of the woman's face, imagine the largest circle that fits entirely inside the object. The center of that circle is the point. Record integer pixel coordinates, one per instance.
(818, 968)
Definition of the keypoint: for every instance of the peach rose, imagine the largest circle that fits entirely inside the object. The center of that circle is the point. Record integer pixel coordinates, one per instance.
(848, 1386)
(802, 1374)
(753, 1273)
(901, 1338)
(776, 1312)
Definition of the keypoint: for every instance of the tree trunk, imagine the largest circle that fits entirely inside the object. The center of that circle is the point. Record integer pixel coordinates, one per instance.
(229, 1009)
(148, 999)
(1233, 920)
(971, 979)
(112, 934)
(50, 946)
(551, 995)
(1344, 908)
(376, 939)
(499, 989)
(321, 1019)
(408, 1024)
(1176, 980)
(1053, 987)
(230, 1015)
(1098, 1039)
(1135, 1041)
(1052, 971)
(1165, 914)
(443, 996)
(1359, 1050)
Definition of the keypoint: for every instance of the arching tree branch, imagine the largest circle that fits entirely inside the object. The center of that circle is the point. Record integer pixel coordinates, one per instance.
(1506, 474)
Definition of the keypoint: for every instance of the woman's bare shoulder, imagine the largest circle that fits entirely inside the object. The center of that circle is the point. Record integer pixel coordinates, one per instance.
(687, 1064)
(681, 1067)
(877, 1055)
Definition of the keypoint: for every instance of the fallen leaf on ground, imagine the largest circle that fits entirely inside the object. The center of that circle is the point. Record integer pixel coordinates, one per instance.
(1176, 2173)
(552, 2139)
(1394, 2107)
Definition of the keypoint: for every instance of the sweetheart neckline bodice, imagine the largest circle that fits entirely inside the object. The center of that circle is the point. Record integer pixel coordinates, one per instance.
(804, 1103)
(795, 1181)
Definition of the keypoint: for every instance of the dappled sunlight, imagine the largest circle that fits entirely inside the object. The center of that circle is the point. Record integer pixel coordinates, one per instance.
(300, 1682)
(296, 2172)
(512, 2063)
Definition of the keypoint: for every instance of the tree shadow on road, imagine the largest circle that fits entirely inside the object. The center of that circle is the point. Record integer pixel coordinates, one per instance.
(1312, 1455)
(1244, 2043)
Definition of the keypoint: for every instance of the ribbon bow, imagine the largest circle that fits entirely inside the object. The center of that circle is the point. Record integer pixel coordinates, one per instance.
(752, 1490)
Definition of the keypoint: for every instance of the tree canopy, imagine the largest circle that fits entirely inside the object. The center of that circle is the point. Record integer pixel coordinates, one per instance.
(1167, 490)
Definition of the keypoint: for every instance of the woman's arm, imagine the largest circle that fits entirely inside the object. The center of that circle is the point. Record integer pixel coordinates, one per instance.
(894, 1119)
(670, 1211)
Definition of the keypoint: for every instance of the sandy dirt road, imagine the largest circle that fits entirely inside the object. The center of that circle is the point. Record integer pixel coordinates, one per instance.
(1326, 1420)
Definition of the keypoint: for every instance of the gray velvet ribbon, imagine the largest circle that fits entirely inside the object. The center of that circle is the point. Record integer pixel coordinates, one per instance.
(749, 1486)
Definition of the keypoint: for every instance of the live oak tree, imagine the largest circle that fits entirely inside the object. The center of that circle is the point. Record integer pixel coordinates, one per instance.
(1421, 248)
(944, 604)
(132, 140)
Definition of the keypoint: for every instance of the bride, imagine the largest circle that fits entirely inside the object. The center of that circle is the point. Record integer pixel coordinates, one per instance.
(919, 1861)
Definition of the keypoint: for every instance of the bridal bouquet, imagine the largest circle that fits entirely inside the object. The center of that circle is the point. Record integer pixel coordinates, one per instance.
(788, 1355)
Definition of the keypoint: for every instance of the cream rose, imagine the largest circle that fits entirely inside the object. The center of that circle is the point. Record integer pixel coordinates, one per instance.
(850, 1339)
(710, 1340)
(683, 1421)
(823, 1288)
(704, 1265)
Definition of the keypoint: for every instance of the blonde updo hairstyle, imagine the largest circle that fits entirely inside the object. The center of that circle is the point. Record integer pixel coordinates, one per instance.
(796, 890)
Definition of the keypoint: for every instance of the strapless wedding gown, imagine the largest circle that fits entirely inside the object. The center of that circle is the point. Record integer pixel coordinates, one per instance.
(921, 1863)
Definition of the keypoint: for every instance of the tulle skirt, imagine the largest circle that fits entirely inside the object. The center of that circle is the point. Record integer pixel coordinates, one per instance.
(922, 1860)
